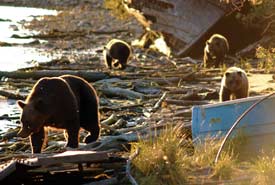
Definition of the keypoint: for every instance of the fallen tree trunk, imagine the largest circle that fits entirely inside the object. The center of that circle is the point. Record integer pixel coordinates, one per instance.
(88, 75)
(119, 92)
(185, 102)
(11, 95)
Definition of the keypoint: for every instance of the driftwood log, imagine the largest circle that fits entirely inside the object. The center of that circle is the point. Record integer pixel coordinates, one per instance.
(88, 75)
(11, 95)
(119, 92)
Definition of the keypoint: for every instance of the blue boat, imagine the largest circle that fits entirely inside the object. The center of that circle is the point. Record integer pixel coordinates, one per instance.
(215, 120)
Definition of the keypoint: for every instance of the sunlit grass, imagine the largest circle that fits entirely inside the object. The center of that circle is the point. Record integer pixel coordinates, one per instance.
(169, 159)
(263, 170)
(160, 160)
(267, 57)
(225, 167)
(117, 8)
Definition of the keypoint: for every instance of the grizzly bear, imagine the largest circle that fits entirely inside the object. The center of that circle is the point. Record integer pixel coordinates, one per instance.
(116, 54)
(215, 51)
(234, 84)
(66, 102)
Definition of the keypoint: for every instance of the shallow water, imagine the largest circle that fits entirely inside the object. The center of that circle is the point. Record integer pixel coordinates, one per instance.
(10, 109)
(19, 57)
(15, 57)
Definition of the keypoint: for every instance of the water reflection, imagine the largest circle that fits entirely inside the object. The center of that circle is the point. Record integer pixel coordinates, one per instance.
(8, 107)
(16, 57)
(23, 13)
(13, 58)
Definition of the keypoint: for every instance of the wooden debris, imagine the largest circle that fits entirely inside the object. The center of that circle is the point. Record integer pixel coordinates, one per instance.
(11, 95)
(68, 157)
(128, 167)
(119, 92)
(159, 102)
(109, 181)
(88, 75)
(176, 19)
(54, 159)
(185, 102)
(112, 119)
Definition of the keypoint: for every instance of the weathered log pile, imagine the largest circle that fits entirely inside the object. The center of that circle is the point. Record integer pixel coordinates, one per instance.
(152, 93)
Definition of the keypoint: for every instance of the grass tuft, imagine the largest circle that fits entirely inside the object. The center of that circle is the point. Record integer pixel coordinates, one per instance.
(169, 159)
(264, 170)
(159, 161)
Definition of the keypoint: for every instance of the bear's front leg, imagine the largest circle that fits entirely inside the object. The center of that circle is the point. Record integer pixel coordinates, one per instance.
(37, 140)
(109, 61)
(225, 94)
(72, 137)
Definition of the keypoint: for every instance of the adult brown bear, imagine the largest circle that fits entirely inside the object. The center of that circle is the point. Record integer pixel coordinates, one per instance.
(215, 51)
(67, 102)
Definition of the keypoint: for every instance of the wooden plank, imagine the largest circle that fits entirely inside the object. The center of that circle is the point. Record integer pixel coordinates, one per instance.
(185, 20)
(7, 168)
(53, 159)
(87, 74)
(258, 126)
(73, 157)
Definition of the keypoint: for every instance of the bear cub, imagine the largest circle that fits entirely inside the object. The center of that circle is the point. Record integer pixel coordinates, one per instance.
(215, 51)
(116, 54)
(234, 84)
(66, 102)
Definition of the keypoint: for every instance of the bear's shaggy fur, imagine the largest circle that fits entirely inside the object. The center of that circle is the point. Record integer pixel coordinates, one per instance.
(215, 51)
(67, 102)
(116, 54)
(234, 84)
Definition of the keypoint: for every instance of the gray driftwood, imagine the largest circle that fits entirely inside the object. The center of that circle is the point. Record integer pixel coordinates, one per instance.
(88, 75)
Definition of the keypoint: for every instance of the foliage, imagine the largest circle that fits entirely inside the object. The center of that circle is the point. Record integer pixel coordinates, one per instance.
(117, 8)
(261, 16)
(267, 58)
(245, 64)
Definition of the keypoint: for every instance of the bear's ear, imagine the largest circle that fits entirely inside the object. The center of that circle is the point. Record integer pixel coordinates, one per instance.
(227, 74)
(239, 73)
(40, 105)
(21, 104)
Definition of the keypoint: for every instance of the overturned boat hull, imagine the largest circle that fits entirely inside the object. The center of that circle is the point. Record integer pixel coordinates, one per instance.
(258, 126)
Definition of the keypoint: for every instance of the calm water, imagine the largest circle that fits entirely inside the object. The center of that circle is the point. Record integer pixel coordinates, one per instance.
(13, 58)
(16, 57)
